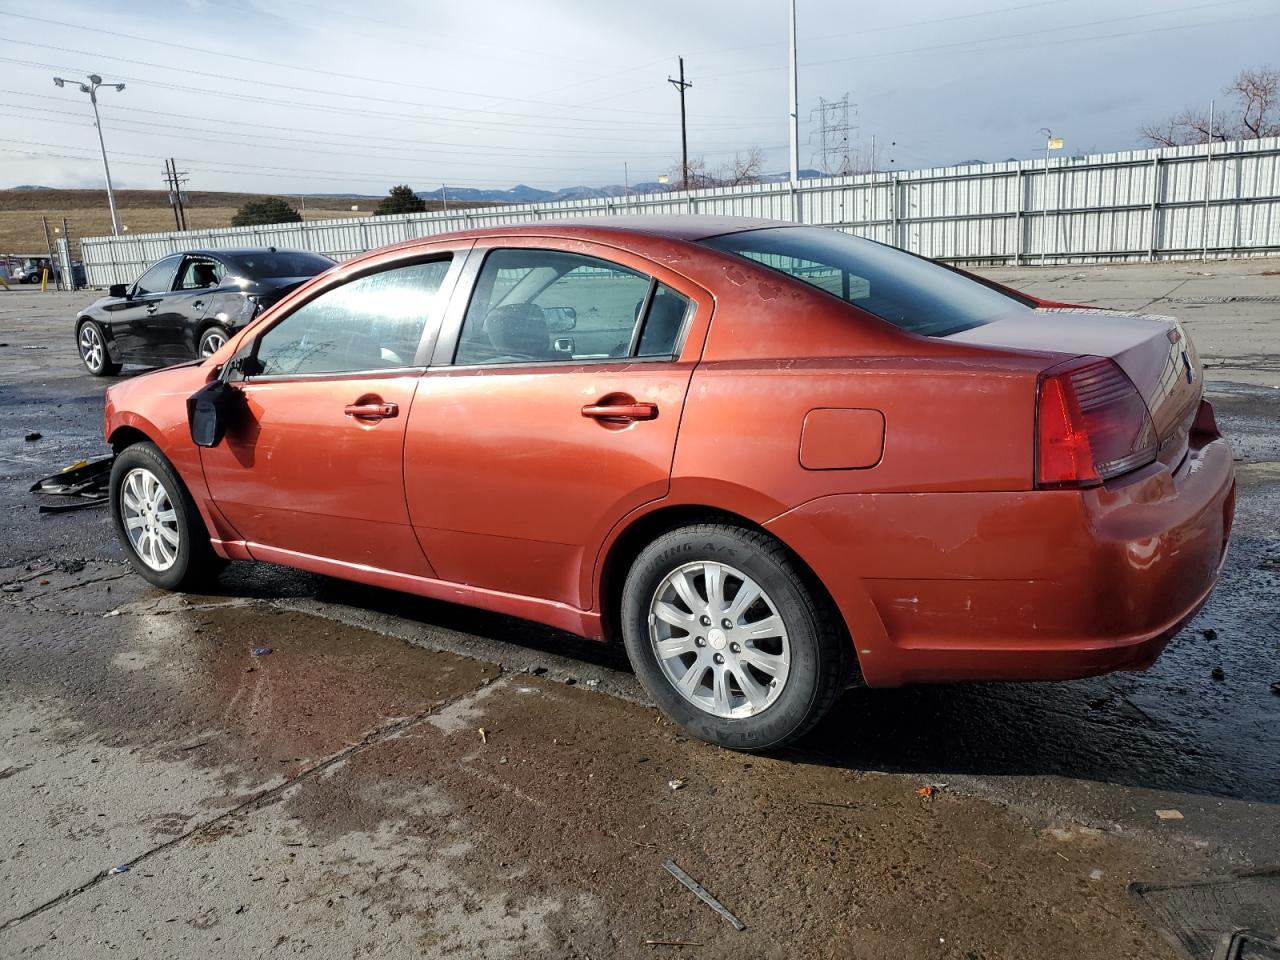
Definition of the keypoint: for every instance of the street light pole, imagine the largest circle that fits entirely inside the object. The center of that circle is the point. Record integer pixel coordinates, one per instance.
(91, 88)
(1050, 143)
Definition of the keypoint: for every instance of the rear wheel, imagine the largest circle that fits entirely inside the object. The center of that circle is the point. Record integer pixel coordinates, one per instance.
(731, 638)
(92, 344)
(211, 341)
(158, 522)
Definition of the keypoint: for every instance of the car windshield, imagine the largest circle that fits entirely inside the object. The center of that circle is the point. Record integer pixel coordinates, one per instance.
(910, 292)
(279, 263)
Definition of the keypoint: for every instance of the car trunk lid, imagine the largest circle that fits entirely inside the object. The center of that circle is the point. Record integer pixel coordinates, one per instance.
(1153, 351)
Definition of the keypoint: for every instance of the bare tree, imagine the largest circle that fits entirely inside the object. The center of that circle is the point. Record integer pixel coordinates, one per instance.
(746, 166)
(1254, 112)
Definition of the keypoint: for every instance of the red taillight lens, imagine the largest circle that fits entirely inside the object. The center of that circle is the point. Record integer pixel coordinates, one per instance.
(1091, 424)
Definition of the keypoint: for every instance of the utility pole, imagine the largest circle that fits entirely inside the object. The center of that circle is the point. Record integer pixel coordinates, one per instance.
(681, 86)
(444, 196)
(795, 109)
(175, 179)
(91, 88)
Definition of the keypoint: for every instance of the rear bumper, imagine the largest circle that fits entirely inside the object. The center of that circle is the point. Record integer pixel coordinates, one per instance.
(1033, 585)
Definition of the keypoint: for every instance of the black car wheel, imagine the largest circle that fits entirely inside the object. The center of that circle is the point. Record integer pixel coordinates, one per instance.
(92, 345)
(211, 341)
(731, 637)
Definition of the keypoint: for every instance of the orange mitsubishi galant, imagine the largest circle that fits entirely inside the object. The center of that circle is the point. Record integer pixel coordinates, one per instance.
(772, 460)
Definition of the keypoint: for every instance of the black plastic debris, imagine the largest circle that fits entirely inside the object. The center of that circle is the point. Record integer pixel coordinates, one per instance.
(31, 437)
(87, 482)
(1218, 674)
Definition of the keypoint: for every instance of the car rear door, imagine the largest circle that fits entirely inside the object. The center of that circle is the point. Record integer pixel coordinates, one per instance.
(177, 325)
(549, 413)
(312, 467)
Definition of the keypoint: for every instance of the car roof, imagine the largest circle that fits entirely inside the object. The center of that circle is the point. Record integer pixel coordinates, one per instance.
(672, 227)
(239, 252)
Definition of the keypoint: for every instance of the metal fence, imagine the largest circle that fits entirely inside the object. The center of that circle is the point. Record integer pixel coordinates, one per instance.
(1168, 203)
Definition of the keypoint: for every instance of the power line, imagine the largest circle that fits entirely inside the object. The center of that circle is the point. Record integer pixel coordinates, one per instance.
(313, 70)
(1029, 33)
(362, 97)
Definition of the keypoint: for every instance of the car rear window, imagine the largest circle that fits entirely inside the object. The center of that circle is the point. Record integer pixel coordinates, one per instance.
(282, 263)
(908, 291)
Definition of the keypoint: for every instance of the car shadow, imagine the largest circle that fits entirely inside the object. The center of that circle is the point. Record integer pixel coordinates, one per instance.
(1163, 730)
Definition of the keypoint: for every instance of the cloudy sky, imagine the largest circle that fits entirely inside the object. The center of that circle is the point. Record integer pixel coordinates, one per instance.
(329, 96)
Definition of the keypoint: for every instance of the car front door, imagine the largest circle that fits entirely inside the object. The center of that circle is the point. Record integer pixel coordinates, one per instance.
(131, 320)
(311, 467)
(549, 413)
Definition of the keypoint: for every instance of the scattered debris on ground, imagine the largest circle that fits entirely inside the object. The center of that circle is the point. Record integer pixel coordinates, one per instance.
(1169, 814)
(1218, 674)
(32, 437)
(676, 784)
(701, 893)
(262, 651)
(85, 480)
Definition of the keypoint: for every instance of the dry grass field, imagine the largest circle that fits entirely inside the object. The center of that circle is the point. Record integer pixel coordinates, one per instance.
(142, 211)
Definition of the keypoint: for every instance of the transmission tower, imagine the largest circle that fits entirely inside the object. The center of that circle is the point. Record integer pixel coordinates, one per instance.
(833, 136)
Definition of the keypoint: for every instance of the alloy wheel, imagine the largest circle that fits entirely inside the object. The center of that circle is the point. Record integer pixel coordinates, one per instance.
(213, 342)
(149, 519)
(719, 639)
(92, 349)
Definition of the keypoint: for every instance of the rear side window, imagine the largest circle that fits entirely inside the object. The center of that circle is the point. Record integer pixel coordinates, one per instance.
(278, 264)
(545, 305)
(905, 290)
(373, 322)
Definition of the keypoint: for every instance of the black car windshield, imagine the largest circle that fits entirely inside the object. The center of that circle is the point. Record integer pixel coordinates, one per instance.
(269, 265)
(908, 291)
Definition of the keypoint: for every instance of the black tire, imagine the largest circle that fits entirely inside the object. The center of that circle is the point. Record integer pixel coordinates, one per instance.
(195, 564)
(215, 331)
(821, 653)
(98, 363)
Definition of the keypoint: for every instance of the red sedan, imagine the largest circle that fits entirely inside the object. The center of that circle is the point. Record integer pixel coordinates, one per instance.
(773, 460)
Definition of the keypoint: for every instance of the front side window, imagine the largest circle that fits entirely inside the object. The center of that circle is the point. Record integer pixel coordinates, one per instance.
(371, 323)
(159, 279)
(905, 290)
(199, 274)
(545, 305)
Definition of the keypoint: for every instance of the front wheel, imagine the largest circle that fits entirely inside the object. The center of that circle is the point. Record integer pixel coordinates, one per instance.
(158, 523)
(729, 635)
(211, 341)
(92, 344)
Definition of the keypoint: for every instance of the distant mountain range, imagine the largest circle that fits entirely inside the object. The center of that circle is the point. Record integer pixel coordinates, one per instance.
(526, 194)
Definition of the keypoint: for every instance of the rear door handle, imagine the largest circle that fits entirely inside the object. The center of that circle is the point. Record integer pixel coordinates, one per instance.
(372, 411)
(152, 307)
(621, 411)
(198, 304)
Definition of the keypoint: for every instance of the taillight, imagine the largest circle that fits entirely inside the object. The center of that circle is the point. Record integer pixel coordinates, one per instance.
(1091, 424)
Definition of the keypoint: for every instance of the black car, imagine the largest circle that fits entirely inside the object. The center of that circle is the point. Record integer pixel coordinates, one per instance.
(187, 305)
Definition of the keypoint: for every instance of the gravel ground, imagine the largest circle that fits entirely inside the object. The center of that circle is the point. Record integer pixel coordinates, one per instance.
(338, 797)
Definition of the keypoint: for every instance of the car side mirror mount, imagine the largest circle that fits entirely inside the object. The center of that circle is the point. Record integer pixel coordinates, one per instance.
(118, 291)
(211, 410)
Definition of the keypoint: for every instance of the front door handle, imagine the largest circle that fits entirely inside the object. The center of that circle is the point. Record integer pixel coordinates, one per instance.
(372, 411)
(619, 412)
(152, 308)
(198, 304)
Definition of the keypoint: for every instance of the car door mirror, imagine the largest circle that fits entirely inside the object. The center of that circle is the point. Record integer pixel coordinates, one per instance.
(118, 291)
(211, 410)
(560, 319)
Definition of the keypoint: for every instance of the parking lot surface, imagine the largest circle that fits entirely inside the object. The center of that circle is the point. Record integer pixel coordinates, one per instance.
(405, 778)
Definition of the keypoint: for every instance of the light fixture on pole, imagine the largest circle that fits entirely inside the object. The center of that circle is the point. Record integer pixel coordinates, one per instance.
(91, 88)
(1050, 143)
